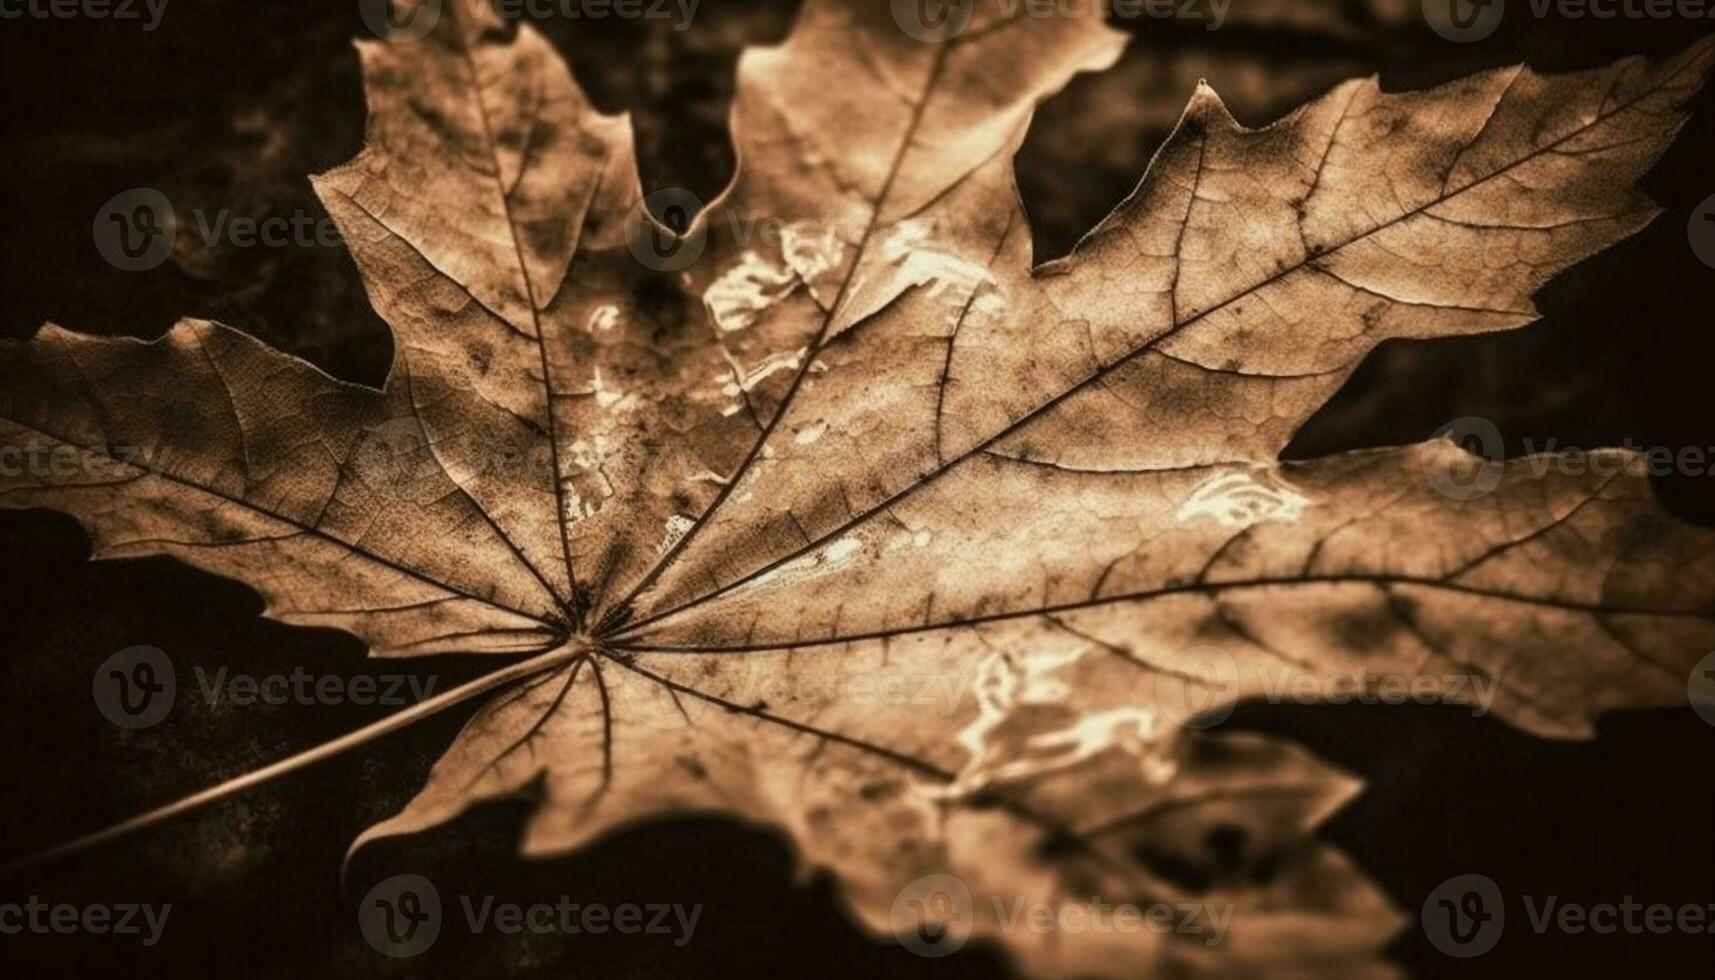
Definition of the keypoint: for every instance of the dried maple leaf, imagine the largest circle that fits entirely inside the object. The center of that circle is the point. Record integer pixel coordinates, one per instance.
(747, 515)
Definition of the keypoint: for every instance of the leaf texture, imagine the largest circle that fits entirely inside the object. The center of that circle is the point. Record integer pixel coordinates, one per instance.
(876, 532)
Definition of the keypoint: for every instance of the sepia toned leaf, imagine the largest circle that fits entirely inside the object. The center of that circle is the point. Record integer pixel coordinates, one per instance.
(873, 530)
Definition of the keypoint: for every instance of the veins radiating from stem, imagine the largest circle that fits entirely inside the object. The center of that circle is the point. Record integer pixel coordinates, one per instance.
(623, 607)
(572, 604)
(1190, 588)
(1311, 260)
(527, 740)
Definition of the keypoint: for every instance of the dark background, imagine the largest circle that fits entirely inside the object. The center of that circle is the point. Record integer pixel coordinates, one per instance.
(231, 104)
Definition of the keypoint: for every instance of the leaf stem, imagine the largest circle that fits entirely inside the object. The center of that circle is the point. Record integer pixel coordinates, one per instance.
(423, 709)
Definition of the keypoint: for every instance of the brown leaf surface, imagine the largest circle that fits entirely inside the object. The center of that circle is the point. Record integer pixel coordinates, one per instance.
(874, 531)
